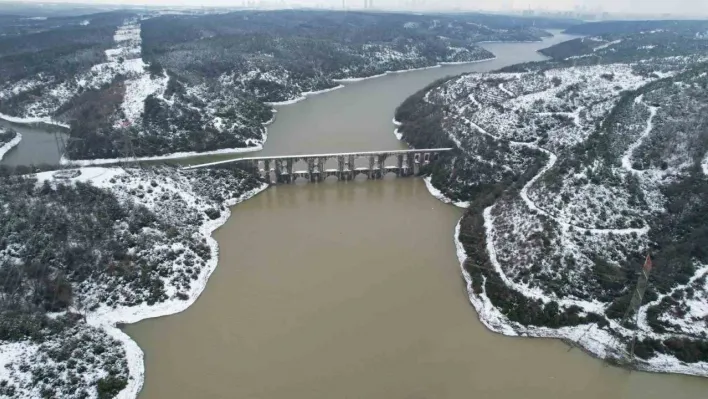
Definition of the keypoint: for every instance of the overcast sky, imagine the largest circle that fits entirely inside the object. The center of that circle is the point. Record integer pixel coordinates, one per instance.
(685, 7)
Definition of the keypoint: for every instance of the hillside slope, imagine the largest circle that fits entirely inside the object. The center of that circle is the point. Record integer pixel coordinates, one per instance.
(573, 174)
(157, 85)
(83, 250)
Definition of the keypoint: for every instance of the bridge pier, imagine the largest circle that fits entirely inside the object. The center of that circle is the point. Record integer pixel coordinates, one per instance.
(340, 167)
(372, 166)
(321, 169)
(278, 171)
(381, 160)
(408, 162)
(290, 163)
(351, 166)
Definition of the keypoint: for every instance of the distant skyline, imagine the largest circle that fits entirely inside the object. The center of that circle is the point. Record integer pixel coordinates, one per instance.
(675, 7)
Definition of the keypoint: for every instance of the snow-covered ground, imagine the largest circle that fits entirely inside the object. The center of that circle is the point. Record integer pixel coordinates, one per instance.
(30, 120)
(140, 83)
(439, 195)
(119, 60)
(124, 184)
(575, 217)
(6, 147)
(175, 155)
(627, 157)
(303, 96)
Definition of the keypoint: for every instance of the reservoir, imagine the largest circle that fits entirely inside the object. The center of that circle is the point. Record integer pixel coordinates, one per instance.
(41, 144)
(354, 290)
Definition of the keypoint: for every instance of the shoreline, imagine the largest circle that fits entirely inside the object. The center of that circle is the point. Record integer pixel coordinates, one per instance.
(438, 65)
(10, 145)
(109, 319)
(29, 121)
(589, 338)
(396, 133)
(441, 197)
(175, 155)
(303, 96)
(64, 161)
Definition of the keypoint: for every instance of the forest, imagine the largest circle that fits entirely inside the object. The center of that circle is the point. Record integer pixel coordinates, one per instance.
(56, 47)
(574, 171)
(695, 27)
(148, 84)
(73, 243)
(654, 48)
(6, 135)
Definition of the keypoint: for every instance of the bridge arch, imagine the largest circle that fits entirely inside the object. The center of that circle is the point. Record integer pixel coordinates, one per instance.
(315, 168)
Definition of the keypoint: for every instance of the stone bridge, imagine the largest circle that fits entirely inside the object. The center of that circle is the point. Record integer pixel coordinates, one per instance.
(373, 164)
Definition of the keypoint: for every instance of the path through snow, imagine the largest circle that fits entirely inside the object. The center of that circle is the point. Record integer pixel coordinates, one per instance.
(627, 157)
(590, 306)
(532, 205)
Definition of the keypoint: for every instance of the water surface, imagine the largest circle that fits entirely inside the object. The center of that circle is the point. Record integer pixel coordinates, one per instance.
(39, 145)
(353, 290)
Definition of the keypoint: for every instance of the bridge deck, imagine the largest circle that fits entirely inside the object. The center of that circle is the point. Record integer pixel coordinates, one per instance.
(332, 155)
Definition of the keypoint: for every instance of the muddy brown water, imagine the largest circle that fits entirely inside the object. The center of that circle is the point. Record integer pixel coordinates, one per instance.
(39, 144)
(353, 290)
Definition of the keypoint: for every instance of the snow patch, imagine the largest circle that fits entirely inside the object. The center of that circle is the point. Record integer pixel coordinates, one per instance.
(30, 120)
(174, 155)
(304, 96)
(440, 196)
(10, 145)
(627, 157)
(107, 318)
(606, 45)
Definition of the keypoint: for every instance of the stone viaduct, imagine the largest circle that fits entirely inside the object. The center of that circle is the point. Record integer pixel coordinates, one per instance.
(407, 163)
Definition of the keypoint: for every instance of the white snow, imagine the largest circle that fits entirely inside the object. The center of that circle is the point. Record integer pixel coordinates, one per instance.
(589, 107)
(10, 353)
(606, 45)
(700, 312)
(108, 318)
(141, 84)
(504, 89)
(304, 96)
(627, 157)
(10, 145)
(136, 91)
(438, 65)
(439, 195)
(704, 165)
(595, 340)
(396, 132)
(591, 338)
(174, 155)
(26, 121)
(56, 92)
(99, 177)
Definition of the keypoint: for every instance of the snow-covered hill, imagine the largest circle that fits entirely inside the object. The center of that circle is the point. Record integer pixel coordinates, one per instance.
(126, 244)
(169, 85)
(572, 176)
(8, 140)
